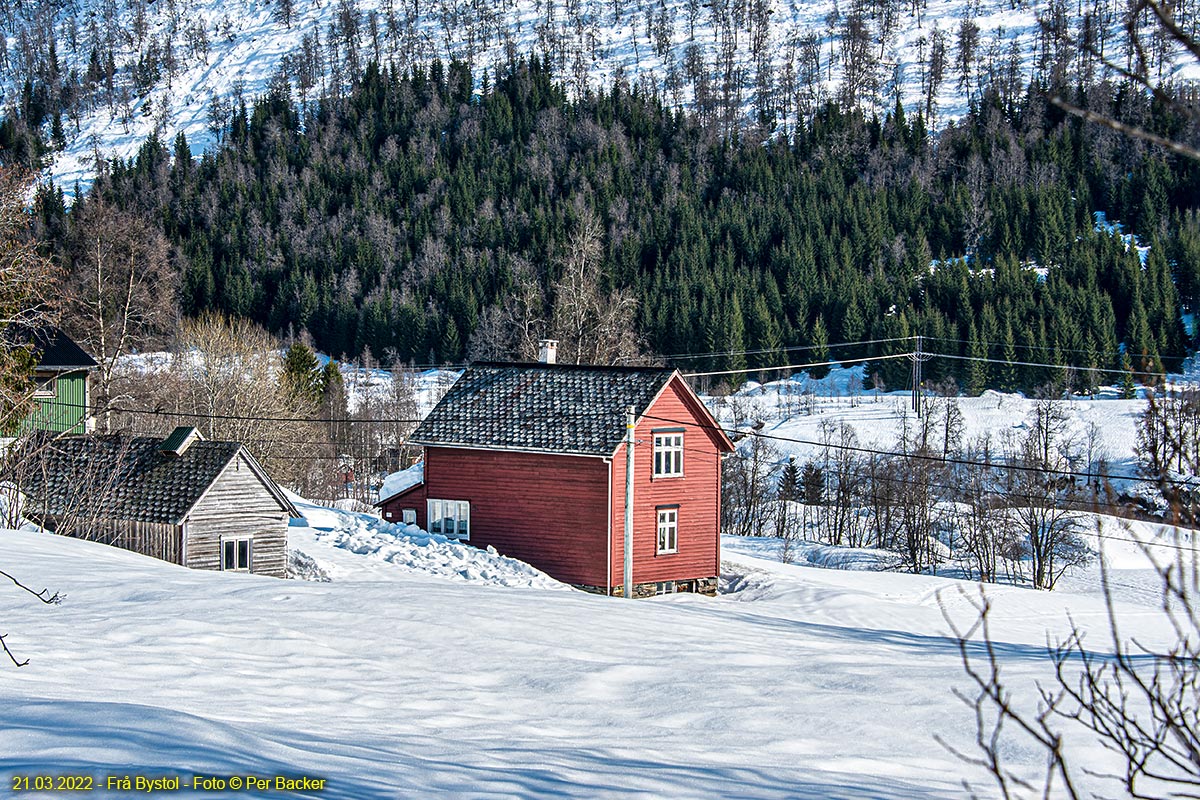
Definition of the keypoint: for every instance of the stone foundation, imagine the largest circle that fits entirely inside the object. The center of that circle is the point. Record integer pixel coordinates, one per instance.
(706, 586)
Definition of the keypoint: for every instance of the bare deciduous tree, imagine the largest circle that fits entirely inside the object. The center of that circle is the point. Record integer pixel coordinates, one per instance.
(26, 279)
(1139, 702)
(1167, 31)
(120, 290)
(592, 326)
(1040, 494)
(224, 378)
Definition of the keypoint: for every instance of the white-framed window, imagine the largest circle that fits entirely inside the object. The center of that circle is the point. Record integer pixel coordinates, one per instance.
(409, 516)
(668, 454)
(665, 587)
(668, 530)
(451, 518)
(236, 554)
(46, 387)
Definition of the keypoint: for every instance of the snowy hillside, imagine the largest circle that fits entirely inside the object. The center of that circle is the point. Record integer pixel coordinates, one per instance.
(798, 411)
(800, 683)
(181, 65)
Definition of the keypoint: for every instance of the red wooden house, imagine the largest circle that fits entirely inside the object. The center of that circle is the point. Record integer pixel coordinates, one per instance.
(530, 459)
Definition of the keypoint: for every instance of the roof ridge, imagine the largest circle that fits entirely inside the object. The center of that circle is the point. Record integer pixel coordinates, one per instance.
(564, 367)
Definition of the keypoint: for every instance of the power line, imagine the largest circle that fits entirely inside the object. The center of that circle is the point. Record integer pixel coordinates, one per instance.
(1044, 348)
(1052, 366)
(838, 362)
(793, 348)
(919, 455)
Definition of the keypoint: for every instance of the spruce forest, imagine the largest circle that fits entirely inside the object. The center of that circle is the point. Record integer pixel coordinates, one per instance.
(431, 215)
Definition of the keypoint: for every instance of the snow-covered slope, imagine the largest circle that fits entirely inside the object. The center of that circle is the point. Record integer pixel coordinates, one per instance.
(798, 411)
(173, 57)
(811, 684)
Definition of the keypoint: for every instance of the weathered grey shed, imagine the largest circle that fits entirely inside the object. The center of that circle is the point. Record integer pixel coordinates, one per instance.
(202, 504)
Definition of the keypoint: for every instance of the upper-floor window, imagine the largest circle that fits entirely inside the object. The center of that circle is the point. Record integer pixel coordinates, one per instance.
(668, 454)
(46, 387)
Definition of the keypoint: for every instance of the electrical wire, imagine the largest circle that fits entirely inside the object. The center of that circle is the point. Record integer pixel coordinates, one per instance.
(838, 362)
(1051, 366)
(793, 348)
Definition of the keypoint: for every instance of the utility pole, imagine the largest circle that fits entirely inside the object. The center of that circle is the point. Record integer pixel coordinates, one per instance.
(917, 357)
(627, 591)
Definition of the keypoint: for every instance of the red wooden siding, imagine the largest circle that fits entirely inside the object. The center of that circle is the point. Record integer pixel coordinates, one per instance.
(548, 510)
(697, 493)
(414, 497)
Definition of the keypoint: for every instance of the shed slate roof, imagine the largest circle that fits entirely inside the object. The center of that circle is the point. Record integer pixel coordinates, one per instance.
(123, 478)
(56, 351)
(553, 408)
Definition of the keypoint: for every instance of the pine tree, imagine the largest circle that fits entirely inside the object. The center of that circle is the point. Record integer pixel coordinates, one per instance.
(303, 377)
(820, 349)
(1008, 372)
(813, 481)
(735, 343)
(1128, 384)
(977, 367)
(789, 481)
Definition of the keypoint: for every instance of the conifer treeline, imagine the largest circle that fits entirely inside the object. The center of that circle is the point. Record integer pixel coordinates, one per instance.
(393, 217)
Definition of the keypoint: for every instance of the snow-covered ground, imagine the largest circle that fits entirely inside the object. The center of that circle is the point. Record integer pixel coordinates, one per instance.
(800, 682)
(413, 665)
(796, 426)
(344, 544)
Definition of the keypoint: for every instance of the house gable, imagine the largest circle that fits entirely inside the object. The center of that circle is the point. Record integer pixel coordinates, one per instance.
(696, 413)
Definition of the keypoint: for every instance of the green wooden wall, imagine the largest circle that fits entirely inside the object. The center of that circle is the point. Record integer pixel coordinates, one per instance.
(66, 412)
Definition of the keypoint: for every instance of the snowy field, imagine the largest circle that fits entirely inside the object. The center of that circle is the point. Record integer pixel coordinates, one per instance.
(410, 665)
(392, 681)
(796, 427)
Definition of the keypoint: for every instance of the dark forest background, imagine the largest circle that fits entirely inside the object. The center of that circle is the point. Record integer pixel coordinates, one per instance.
(406, 217)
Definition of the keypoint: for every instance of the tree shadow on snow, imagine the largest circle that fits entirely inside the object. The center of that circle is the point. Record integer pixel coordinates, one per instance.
(62, 737)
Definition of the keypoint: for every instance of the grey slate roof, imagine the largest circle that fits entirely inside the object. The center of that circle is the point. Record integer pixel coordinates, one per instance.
(122, 478)
(553, 408)
(56, 352)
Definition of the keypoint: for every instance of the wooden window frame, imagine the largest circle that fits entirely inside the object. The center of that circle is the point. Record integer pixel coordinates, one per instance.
(235, 541)
(46, 389)
(666, 521)
(460, 514)
(408, 516)
(668, 442)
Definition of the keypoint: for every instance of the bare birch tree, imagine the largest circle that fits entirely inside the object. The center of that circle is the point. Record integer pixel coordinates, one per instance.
(120, 290)
(26, 287)
(592, 326)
